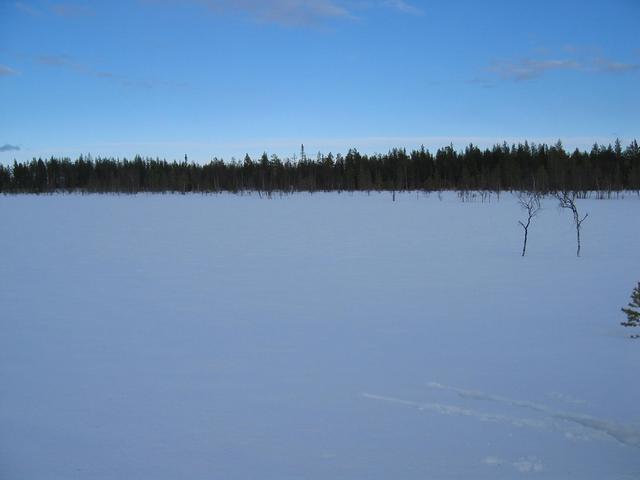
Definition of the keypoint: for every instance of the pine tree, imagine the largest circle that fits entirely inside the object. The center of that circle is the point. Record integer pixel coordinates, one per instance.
(633, 312)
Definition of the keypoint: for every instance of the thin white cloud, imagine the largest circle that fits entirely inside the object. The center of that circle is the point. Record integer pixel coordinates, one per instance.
(296, 12)
(493, 461)
(528, 465)
(523, 465)
(284, 12)
(403, 7)
(66, 63)
(55, 61)
(27, 9)
(529, 69)
(532, 68)
(60, 9)
(6, 71)
(611, 66)
(71, 10)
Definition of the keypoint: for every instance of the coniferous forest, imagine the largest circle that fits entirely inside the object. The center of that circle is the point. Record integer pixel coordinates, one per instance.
(525, 166)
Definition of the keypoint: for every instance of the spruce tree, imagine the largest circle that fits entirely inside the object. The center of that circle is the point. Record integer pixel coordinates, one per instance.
(633, 312)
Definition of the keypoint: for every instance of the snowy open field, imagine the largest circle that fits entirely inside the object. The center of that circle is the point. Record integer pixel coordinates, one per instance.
(319, 336)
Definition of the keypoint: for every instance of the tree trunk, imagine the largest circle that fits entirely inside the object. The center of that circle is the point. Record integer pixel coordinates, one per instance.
(578, 237)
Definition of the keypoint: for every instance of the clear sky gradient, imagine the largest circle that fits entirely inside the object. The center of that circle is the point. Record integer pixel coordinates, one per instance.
(224, 78)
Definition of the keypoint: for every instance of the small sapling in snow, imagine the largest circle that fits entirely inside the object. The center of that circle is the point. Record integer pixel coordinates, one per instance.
(530, 203)
(633, 311)
(568, 200)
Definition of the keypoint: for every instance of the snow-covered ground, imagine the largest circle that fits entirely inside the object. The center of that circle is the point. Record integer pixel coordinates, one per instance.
(325, 336)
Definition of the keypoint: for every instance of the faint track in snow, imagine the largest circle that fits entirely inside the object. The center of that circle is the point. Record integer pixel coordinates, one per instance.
(591, 427)
(444, 409)
(621, 433)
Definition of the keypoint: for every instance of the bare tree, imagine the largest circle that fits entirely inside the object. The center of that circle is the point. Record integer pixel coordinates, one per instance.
(568, 200)
(530, 203)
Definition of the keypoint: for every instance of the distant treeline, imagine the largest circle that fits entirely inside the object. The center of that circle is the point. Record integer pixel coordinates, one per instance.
(540, 168)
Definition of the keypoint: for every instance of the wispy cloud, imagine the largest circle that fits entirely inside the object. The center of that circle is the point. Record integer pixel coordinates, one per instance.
(403, 7)
(9, 148)
(59, 9)
(296, 12)
(611, 66)
(71, 10)
(6, 71)
(28, 9)
(67, 63)
(482, 82)
(529, 69)
(573, 59)
(55, 61)
(284, 12)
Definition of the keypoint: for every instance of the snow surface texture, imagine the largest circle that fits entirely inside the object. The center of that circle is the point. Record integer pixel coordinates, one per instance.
(315, 336)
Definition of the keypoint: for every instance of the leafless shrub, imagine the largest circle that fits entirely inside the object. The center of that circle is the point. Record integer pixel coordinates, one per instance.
(530, 203)
(568, 200)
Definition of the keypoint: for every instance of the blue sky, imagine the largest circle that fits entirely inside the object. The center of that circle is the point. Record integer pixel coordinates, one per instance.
(221, 78)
